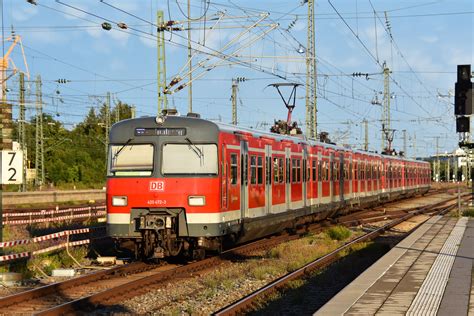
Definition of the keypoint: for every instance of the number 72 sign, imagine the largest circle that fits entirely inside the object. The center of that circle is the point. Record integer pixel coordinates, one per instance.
(12, 167)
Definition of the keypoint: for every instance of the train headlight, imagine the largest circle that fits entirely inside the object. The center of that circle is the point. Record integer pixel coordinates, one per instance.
(197, 200)
(119, 201)
(160, 119)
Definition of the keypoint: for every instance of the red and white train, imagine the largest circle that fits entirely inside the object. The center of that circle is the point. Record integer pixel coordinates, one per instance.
(181, 184)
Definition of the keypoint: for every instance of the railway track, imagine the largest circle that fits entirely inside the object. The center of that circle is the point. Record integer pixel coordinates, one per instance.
(247, 303)
(115, 285)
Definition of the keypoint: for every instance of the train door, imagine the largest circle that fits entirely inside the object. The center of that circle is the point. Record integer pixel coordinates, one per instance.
(320, 176)
(288, 177)
(332, 181)
(304, 179)
(279, 186)
(244, 158)
(341, 176)
(233, 184)
(350, 173)
(268, 179)
(355, 176)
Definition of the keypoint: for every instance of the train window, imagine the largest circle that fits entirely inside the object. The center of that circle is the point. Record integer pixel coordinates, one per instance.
(276, 174)
(308, 171)
(259, 170)
(326, 171)
(268, 170)
(293, 170)
(323, 171)
(233, 168)
(189, 159)
(131, 160)
(314, 164)
(298, 170)
(253, 169)
(320, 173)
(280, 170)
(288, 171)
(331, 168)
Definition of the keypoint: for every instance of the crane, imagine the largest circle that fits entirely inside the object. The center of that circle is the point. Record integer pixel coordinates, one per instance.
(6, 60)
(6, 108)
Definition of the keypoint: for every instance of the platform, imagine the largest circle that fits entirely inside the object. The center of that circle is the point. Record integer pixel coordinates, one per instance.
(429, 273)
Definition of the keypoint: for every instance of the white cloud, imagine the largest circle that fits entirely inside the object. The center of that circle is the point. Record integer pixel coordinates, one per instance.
(24, 13)
(117, 64)
(95, 32)
(72, 14)
(101, 47)
(430, 39)
(49, 37)
(150, 42)
(119, 37)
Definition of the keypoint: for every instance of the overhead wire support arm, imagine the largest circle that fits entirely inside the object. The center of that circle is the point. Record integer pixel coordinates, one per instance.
(218, 54)
(224, 58)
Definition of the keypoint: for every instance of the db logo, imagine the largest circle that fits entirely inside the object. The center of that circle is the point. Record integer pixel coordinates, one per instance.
(157, 186)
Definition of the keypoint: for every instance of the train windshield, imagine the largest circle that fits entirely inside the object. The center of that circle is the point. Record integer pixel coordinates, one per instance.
(131, 160)
(189, 159)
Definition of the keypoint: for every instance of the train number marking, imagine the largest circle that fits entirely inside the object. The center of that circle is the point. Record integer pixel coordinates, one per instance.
(157, 186)
(156, 202)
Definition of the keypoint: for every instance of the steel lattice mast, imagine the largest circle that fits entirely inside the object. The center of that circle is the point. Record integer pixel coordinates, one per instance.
(386, 120)
(39, 146)
(162, 98)
(311, 98)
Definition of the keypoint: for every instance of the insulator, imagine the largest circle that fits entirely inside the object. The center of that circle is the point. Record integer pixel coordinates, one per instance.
(106, 26)
(122, 25)
(174, 81)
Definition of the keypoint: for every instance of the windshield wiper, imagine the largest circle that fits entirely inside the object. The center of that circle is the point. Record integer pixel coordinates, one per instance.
(195, 148)
(121, 148)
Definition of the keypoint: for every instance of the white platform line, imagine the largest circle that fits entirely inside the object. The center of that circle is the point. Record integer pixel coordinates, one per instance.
(430, 294)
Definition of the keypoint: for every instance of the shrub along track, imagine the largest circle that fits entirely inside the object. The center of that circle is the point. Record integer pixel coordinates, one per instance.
(113, 286)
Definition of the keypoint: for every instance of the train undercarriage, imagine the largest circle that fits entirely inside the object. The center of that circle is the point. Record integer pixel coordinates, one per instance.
(159, 238)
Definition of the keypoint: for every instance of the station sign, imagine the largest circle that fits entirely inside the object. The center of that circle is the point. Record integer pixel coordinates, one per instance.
(12, 167)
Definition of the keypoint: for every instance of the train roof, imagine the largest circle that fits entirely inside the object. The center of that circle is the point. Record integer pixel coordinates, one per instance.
(212, 127)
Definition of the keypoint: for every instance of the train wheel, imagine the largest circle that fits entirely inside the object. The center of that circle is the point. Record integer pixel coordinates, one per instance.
(199, 254)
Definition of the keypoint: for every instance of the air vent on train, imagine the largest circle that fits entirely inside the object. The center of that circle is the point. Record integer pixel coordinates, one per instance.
(170, 112)
(195, 115)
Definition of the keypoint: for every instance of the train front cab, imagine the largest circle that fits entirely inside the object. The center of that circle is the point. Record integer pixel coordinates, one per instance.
(163, 186)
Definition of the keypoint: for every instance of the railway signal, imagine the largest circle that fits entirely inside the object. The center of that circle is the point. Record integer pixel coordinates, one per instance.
(463, 101)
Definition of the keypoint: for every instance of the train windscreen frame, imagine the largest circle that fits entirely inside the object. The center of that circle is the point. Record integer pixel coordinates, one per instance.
(131, 159)
(189, 159)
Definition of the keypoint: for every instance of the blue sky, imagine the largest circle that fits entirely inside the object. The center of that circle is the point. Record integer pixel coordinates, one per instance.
(430, 37)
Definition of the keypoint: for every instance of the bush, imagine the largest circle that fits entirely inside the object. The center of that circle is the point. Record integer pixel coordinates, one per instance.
(468, 213)
(338, 233)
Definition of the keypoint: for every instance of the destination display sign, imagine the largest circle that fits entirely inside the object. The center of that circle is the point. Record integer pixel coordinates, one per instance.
(160, 131)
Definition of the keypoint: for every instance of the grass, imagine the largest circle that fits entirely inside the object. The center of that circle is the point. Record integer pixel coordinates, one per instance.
(338, 233)
(263, 271)
(468, 213)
